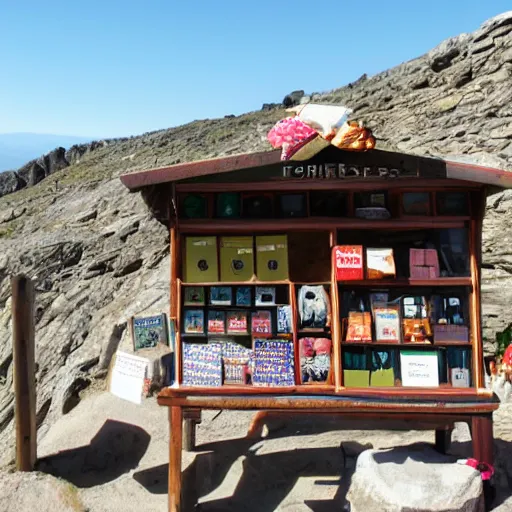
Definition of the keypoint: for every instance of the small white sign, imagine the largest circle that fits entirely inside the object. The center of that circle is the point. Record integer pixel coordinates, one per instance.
(128, 376)
(419, 369)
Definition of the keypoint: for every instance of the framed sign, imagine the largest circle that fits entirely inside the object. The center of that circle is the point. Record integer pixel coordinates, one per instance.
(419, 369)
(149, 331)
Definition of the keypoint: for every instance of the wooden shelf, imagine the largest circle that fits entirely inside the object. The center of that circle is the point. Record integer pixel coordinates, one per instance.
(215, 226)
(314, 331)
(239, 283)
(406, 345)
(238, 334)
(243, 308)
(404, 282)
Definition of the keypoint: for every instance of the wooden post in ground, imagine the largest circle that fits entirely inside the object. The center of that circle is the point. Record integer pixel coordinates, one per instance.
(23, 336)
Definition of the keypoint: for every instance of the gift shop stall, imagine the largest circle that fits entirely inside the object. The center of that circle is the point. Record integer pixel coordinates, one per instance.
(326, 277)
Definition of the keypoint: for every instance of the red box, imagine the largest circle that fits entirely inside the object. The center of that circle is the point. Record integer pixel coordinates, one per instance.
(348, 262)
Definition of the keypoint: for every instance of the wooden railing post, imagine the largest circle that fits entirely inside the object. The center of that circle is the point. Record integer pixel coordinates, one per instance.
(23, 335)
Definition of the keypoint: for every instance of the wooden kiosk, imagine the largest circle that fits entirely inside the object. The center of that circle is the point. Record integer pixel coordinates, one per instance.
(346, 284)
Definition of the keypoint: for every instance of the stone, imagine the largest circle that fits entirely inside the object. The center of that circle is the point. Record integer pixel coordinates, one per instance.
(416, 478)
(448, 103)
(293, 99)
(20, 492)
(36, 170)
(127, 266)
(86, 216)
(10, 182)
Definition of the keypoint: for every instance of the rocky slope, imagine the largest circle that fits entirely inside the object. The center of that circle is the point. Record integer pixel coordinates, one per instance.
(98, 257)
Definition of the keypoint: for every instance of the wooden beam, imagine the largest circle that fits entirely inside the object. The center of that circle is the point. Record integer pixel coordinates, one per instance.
(175, 427)
(23, 327)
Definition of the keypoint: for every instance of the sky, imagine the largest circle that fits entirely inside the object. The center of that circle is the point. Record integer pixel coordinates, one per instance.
(117, 68)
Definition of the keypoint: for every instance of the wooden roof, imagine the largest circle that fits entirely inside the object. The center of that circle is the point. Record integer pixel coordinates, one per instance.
(201, 168)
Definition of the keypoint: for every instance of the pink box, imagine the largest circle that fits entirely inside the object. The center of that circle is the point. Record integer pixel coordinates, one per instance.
(431, 259)
(433, 272)
(419, 273)
(416, 257)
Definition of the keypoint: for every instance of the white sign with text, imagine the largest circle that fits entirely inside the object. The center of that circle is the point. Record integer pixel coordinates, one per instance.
(419, 369)
(128, 376)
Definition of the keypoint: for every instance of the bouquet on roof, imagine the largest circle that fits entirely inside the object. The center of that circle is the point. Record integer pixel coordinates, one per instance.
(314, 127)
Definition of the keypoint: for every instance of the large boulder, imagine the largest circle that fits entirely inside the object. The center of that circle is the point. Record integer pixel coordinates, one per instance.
(413, 478)
(10, 182)
(22, 492)
(36, 170)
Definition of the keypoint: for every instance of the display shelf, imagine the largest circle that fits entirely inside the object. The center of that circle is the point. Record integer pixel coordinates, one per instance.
(269, 225)
(237, 335)
(243, 308)
(314, 331)
(404, 282)
(407, 345)
(238, 283)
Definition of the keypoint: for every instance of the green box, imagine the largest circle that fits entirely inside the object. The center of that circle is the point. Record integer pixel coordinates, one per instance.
(356, 378)
(382, 378)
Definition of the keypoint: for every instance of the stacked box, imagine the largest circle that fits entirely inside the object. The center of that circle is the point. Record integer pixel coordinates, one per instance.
(423, 264)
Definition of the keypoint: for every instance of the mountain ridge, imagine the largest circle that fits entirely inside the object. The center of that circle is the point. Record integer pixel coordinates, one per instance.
(98, 257)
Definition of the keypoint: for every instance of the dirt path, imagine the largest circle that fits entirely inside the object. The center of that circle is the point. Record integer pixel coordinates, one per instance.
(116, 453)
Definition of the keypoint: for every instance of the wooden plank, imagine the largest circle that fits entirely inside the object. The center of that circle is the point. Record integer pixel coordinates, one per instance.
(445, 393)
(23, 326)
(309, 403)
(482, 436)
(394, 283)
(295, 322)
(291, 185)
(479, 174)
(175, 446)
(335, 320)
(475, 233)
(214, 226)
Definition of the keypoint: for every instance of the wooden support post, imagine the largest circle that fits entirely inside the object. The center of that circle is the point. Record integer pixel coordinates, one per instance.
(23, 330)
(175, 425)
(482, 435)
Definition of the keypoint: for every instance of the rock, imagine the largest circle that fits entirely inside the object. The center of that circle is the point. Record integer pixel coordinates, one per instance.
(293, 99)
(12, 215)
(270, 106)
(10, 182)
(128, 229)
(128, 266)
(448, 103)
(86, 216)
(20, 492)
(413, 478)
(36, 170)
(441, 57)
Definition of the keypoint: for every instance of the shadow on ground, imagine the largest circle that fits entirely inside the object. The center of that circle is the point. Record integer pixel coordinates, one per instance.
(266, 478)
(116, 449)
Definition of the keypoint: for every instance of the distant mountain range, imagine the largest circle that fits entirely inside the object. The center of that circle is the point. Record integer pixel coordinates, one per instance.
(16, 149)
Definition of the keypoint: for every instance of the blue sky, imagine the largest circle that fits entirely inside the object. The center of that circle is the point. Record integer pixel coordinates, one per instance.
(117, 68)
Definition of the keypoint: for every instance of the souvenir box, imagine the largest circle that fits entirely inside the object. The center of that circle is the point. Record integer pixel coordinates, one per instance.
(201, 263)
(236, 258)
(272, 258)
